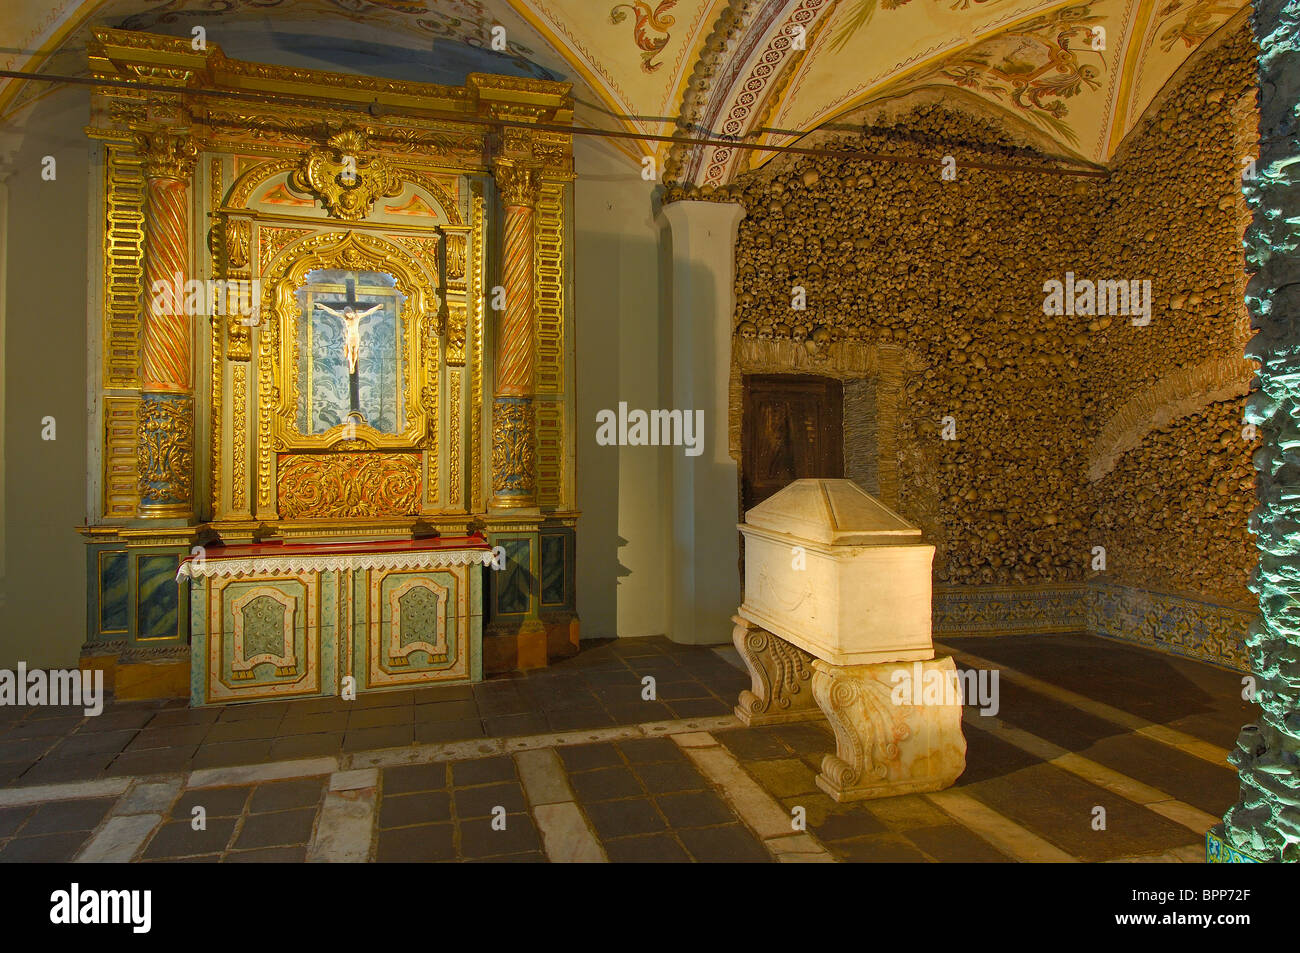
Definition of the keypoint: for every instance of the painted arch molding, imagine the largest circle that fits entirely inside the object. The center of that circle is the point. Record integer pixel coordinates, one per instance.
(1078, 75)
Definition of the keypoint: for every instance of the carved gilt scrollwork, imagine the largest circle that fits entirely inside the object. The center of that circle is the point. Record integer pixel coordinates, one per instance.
(166, 154)
(165, 451)
(512, 447)
(517, 184)
(349, 485)
(347, 181)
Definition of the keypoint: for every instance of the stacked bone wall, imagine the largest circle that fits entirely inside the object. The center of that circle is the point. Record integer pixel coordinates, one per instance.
(1072, 432)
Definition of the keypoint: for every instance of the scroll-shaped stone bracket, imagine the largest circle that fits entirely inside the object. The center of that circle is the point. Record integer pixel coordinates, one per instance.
(897, 727)
(780, 674)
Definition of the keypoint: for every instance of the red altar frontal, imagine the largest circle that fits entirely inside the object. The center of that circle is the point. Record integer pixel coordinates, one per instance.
(301, 620)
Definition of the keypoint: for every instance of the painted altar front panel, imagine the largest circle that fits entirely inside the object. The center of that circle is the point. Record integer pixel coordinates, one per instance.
(291, 621)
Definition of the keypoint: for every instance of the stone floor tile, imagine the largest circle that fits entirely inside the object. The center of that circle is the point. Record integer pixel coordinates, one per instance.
(430, 842)
(953, 843)
(52, 770)
(179, 839)
(666, 778)
(587, 757)
(623, 818)
(753, 744)
(650, 751)
(478, 838)
(12, 818)
(232, 753)
(388, 736)
(158, 761)
(216, 802)
(694, 809)
(440, 732)
(482, 771)
(877, 849)
(484, 800)
(730, 845)
(282, 829)
(405, 779)
(60, 817)
(45, 849)
(605, 784)
(267, 855)
(306, 746)
(286, 795)
(406, 810)
(383, 717)
(335, 721)
(646, 849)
(506, 726)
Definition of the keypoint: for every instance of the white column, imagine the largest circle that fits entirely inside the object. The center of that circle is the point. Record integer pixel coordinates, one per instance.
(703, 556)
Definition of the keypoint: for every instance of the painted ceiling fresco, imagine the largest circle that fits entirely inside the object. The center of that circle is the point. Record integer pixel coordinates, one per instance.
(1078, 74)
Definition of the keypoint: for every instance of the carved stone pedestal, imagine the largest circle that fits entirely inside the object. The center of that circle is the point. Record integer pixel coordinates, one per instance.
(780, 675)
(892, 735)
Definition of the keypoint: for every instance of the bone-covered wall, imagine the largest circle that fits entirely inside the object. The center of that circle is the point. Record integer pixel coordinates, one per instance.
(1172, 513)
(1071, 431)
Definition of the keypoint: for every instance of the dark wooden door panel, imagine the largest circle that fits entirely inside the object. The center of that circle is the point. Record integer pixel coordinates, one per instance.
(793, 429)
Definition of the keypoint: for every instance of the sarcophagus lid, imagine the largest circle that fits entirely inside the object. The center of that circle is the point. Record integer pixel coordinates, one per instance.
(831, 569)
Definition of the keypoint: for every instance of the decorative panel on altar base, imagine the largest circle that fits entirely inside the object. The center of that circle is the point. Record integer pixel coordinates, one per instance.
(293, 621)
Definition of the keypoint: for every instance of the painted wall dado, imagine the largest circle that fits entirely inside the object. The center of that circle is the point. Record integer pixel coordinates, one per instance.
(1068, 433)
(325, 319)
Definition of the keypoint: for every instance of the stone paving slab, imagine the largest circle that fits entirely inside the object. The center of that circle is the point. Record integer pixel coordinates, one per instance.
(700, 787)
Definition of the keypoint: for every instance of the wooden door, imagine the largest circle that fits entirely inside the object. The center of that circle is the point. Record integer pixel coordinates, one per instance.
(793, 429)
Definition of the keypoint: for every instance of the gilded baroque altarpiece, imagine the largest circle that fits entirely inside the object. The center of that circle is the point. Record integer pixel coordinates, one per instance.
(333, 307)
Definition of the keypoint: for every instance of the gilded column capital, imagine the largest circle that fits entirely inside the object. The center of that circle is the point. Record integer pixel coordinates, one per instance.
(166, 154)
(517, 184)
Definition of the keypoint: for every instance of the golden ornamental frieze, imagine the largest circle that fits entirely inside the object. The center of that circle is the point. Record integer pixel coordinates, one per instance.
(347, 181)
(348, 485)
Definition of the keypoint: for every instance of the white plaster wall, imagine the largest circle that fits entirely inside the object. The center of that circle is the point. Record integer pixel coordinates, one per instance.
(43, 619)
(621, 347)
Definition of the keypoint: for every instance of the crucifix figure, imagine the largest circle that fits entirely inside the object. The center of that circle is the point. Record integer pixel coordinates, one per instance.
(351, 319)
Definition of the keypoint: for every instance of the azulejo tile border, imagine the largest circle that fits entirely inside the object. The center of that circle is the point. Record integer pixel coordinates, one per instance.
(1181, 625)
(1008, 610)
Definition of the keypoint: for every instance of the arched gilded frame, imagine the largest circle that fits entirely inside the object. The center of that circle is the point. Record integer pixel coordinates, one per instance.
(278, 358)
(250, 180)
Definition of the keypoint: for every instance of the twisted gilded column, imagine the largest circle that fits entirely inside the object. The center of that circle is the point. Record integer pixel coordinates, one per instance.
(166, 443)
(1264, 825)
(514, 479)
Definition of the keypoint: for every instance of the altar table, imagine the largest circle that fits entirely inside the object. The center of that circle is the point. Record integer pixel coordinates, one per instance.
(294, 620)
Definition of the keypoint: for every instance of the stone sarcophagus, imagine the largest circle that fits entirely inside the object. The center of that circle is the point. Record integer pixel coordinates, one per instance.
(835, 572)
(836, 622)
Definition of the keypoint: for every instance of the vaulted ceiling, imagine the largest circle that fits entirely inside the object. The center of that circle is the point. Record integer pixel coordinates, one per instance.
(1077, 75)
